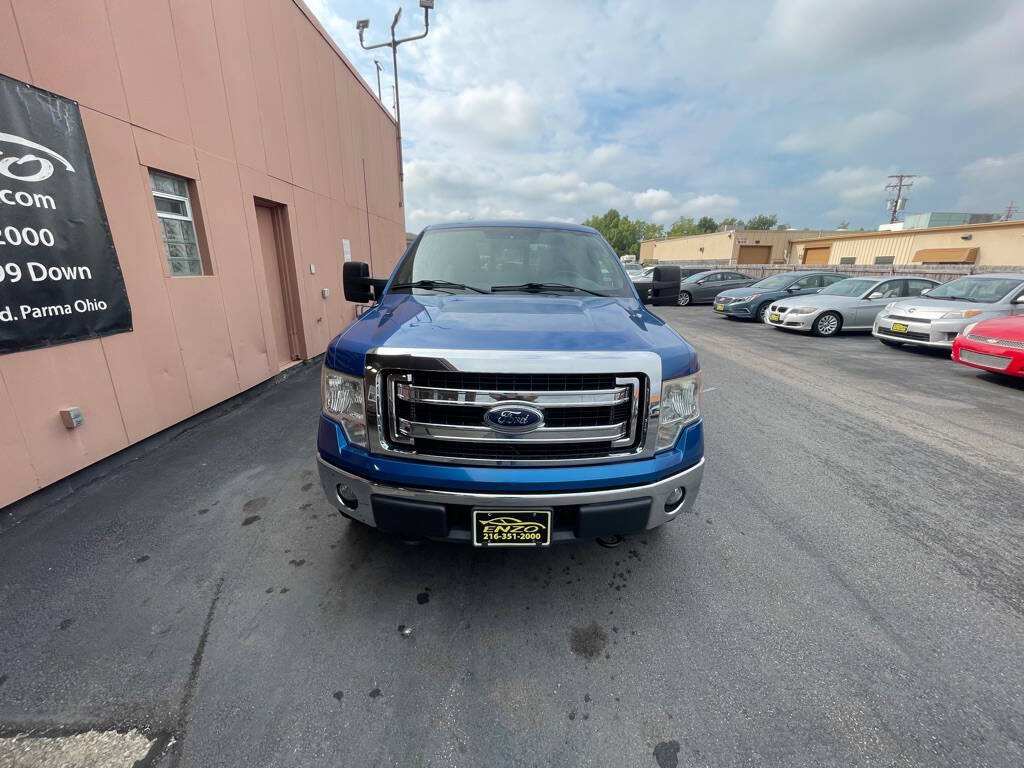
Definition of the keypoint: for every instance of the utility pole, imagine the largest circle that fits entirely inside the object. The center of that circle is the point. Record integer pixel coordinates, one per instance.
(1010, 210)
(376, 63)
(902, 182)
(362, 25)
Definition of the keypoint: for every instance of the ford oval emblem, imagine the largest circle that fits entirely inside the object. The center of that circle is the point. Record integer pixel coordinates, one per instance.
(514, 418)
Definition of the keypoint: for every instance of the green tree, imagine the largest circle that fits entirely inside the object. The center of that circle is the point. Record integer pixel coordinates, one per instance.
(762, 221)
(706, 224)
(622, 233)
(682, 227)
(731, 222)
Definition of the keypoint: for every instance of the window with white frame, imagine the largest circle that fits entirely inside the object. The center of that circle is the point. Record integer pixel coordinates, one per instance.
(174, 212)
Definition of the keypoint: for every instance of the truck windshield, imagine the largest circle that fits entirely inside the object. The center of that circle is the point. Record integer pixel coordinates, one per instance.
(514, 259)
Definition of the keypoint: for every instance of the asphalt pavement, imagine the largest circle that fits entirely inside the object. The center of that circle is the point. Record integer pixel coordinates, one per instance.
(849, 591)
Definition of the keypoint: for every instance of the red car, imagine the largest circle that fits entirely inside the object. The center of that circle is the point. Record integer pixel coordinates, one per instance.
(993, 345)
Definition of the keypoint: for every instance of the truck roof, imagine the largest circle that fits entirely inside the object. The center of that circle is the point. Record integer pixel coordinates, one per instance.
(525, 223)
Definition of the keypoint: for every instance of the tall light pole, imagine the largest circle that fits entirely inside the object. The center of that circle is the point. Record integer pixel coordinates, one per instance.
(362, 25)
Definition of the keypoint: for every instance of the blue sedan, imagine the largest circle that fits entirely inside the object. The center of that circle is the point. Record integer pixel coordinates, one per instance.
(751, 303)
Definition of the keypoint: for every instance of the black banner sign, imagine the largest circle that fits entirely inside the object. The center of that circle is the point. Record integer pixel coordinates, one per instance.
(60, 280)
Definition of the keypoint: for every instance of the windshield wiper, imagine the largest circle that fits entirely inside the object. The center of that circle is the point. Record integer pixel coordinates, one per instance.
(437, 284)
(544, 287)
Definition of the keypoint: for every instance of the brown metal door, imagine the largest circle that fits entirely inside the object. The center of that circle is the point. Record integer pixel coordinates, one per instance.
(754, 254)
(817, 255)
(273, 266)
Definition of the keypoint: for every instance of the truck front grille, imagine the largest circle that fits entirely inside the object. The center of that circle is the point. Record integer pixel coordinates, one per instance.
(441, 414)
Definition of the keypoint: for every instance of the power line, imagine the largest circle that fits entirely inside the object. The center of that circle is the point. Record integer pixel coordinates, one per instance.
(898, 203)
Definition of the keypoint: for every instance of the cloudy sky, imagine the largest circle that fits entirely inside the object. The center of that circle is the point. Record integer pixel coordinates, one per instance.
(562, 109)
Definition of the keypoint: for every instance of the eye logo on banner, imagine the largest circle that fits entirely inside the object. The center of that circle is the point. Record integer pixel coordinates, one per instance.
(9, 165)
(60, 280)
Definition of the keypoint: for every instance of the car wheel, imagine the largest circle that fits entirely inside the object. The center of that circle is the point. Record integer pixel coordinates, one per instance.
(762, 313)
(684, 298)
(827, 324)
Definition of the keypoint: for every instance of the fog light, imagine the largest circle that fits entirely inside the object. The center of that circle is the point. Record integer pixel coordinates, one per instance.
(348, 497)
(674, 499)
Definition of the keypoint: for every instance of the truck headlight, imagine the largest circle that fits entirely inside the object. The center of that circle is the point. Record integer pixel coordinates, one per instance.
(959, 314)
(342, 399)
(680, 405)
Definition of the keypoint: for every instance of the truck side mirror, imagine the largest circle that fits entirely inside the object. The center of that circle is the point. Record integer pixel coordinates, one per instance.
(355, 277)
(359, 286)
(664, 287)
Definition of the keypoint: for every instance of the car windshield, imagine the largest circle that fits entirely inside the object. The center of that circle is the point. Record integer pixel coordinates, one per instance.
(984, 290)
(775, 281)
(695, 277)
(530, 259)
(851, 287)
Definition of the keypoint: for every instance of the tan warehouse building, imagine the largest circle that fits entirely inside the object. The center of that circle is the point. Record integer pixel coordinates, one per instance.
(180, 183)
(989, 245)
(985, 246)
(750, 246)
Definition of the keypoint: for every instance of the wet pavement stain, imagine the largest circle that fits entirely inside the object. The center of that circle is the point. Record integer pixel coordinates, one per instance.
(297, 563)
(375, 693)
(423, 598)
(285, 590)
(588, 641)
(250, 520)
(666, 753)
(255, 505)
(142, 559)
(65, 624)
(307, 486)
(268, 590)
(202, 511)
(3, 679)
(307, 505)
(338, 695)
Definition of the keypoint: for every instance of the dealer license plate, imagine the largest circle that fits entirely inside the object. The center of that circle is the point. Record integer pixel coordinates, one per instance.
(774, 317)
(720, 307)
(899, 328)
(511, 527)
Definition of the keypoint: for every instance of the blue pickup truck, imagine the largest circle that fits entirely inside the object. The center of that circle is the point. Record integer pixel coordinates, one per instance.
(508, 387)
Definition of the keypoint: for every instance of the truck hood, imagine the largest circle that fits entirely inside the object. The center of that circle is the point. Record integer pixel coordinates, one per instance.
(513, 323)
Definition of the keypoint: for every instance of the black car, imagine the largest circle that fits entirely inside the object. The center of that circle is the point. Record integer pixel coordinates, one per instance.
(702, 287)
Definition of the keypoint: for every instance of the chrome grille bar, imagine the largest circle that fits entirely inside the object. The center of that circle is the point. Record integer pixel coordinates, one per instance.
(580, 399)
(543, 435)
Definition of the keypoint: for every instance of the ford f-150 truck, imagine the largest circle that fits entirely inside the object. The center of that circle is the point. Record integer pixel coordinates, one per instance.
(508, 387)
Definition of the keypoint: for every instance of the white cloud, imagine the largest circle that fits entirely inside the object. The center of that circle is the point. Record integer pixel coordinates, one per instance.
(504, 113)
(653, 198)
(703, 205)
(995, 166)
(844, 135)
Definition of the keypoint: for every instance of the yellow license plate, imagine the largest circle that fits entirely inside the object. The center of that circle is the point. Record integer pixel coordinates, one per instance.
(899, 328)
(511, 527)
(774, 317)
(720, 307)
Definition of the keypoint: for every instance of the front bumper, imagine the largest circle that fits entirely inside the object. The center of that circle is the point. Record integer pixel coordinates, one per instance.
(446, 515)
(735, 309)
(989, 357)
(792, 322)
(937, 333)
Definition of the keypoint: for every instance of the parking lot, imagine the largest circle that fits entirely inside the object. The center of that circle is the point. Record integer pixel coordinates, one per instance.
(848, 591)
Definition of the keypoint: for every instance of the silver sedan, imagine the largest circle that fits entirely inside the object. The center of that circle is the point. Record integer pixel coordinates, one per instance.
(935, 318)
(850, 304)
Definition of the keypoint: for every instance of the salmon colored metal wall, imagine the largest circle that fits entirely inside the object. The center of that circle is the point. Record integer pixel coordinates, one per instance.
(251, 100)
